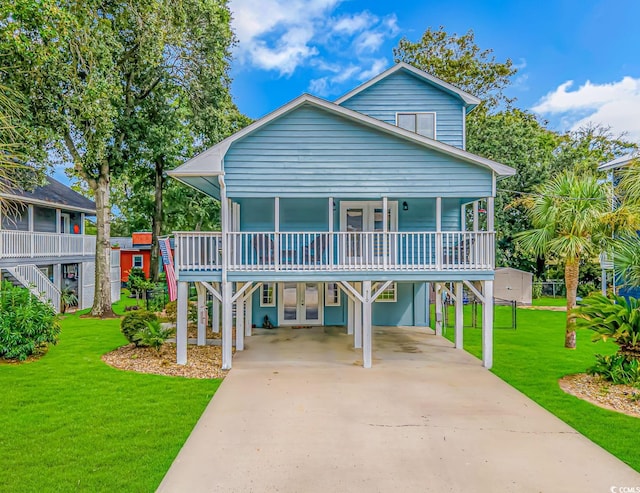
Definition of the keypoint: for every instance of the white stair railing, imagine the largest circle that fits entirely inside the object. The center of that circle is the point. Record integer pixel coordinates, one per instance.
(40, 286)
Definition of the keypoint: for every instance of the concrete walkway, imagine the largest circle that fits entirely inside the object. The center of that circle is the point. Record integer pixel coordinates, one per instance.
(299, 414)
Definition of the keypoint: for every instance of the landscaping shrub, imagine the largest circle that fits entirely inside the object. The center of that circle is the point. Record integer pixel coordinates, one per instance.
(171, 310)
(154, 335)
(615, 318)
(26, 323)
(134, 322)
(617, 368)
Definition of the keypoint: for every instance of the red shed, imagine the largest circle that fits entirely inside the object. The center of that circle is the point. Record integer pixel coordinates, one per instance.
(138, 255)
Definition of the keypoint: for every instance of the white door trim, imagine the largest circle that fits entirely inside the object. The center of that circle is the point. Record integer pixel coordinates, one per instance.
(300, 315)
(368, 207)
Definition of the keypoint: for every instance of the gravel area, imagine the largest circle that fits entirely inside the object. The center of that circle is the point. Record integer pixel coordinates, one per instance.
(621, 398)
(202, 361)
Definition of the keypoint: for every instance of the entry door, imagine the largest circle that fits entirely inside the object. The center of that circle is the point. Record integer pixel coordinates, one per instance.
(366, 217)
(300, 303)
(65, 223)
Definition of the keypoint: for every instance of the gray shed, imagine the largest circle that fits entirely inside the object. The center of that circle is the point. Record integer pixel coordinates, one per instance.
(513, 285)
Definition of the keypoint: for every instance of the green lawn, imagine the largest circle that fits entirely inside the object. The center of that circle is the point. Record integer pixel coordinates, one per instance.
(532, 359)
(549, 301)
(69, 422)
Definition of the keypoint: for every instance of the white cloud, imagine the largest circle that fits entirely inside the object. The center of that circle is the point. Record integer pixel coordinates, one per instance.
(275, 34)
(282, 35)
(615, 104)
(350, 24)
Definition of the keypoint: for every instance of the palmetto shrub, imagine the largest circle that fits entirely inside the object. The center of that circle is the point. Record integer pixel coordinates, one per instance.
(26, 323)
(154, 335)
(617, 368)
(616, 318)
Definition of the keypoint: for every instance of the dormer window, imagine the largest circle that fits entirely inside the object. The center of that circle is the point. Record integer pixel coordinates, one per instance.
(420, 123)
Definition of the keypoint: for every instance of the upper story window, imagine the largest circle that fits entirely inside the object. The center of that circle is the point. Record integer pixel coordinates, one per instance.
(421, 123)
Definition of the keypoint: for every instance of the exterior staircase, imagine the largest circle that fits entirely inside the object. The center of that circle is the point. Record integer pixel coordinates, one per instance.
(32, 278)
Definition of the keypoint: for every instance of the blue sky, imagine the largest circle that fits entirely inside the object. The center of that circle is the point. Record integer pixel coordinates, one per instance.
(579, 61)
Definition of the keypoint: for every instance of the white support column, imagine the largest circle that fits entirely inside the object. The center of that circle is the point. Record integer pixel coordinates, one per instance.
(366, 324)
(476, 222)
(227, 324)
(30, 218)
(330, 249)
(202, 314)
(58, 221)
(459, 341)
(490, 214)
(248, 315)
(181, 323)
(239, 319)
(438, 289)
(276, 228)
(357, 321)
(439, 245)
(350, 315)
(82, 217)
(487, 325)
(463, 217)
(215, 315)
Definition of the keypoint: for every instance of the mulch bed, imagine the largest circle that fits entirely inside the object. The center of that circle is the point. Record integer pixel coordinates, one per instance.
(592, 388)
(202, 361)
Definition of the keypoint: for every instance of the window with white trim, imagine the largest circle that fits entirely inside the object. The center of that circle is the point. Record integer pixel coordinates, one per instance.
(138, 261)
(420, 123)
(331, 294)
(389, 295)
(268, 294)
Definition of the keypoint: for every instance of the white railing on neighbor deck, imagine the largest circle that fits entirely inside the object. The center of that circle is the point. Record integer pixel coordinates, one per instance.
(339, 251)
(27, 244)
(32, 278)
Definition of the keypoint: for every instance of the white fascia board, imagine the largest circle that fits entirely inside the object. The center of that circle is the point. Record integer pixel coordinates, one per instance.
(207, 163)
(44, 203)
(211, 161)
(469, 99)
(619, 162)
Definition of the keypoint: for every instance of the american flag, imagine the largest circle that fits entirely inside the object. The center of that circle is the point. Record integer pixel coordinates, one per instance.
(167, 261)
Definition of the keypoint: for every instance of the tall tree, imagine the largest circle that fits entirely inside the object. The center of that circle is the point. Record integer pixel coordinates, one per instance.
(88, 68)
(572, 220)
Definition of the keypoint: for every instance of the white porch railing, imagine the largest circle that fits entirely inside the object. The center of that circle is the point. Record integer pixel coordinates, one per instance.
(339, 251)
(27, 244)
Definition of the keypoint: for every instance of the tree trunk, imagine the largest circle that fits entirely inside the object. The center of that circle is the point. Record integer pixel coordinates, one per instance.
(102, 298)
(571, 273)
(157, 220)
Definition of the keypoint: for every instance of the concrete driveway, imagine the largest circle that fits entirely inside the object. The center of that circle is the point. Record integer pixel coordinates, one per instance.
(299, 414)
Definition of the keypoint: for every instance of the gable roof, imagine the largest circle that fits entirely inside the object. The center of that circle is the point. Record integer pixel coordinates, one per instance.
(619, 162)
(210, 163)
(53, 194)
(470, 101)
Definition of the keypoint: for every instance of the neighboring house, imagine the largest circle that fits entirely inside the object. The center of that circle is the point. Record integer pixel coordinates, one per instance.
(43, 245)
(613, 170)
(135, 252)
(344, 213)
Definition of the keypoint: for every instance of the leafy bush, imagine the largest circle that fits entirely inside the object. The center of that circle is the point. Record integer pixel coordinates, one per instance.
(614, 318)
(154, 335)
(171, 310)
(134, 322)
(26, 323)
(617, 368)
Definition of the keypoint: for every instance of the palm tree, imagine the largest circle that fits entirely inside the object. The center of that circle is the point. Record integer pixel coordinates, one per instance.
(571, 215)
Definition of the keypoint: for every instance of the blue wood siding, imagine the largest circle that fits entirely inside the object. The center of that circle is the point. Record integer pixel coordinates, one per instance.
(310, 152)
(402, 92)
(411, 308)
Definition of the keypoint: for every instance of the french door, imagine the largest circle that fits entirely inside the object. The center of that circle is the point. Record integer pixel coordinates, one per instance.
(367, 217)
(300, 303)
